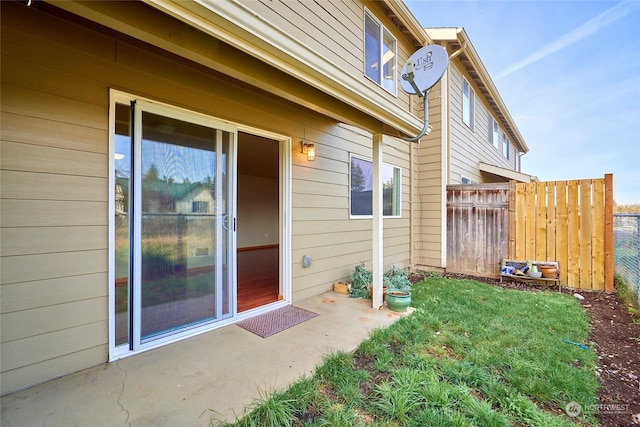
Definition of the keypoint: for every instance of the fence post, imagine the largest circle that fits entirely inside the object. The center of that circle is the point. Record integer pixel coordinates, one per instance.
(608, 232)
(637, 284)
(512, 220)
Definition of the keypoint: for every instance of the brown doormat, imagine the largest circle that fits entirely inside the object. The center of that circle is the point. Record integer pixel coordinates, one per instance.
(275, 321)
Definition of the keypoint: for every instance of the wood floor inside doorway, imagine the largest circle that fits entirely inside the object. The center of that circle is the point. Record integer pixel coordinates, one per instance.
(258, 277)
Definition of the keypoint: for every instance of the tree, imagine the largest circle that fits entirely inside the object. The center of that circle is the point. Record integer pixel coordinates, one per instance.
(357, 178)
(152, 174)
(630, 208)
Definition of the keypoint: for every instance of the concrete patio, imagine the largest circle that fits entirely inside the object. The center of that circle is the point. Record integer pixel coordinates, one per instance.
(183, 383)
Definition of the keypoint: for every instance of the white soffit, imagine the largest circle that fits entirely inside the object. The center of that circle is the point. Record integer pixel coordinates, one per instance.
(238, 26)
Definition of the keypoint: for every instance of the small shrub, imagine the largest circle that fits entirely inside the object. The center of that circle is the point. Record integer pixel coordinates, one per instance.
(397, 279)
(361, 279)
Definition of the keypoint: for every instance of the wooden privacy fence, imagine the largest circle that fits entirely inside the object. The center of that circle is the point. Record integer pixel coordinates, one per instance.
(566, 221)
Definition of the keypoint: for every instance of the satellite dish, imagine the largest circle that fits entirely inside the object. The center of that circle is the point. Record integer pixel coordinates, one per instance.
(423, 69)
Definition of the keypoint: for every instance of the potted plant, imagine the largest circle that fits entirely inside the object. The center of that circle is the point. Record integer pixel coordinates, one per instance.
(398, 294)
(396, 286)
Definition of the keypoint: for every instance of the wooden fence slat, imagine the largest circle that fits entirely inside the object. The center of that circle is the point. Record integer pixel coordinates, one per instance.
(597, 250)
(530, 226)
(466, 229)
(551, 222)
(573, 236)
(585, 234)
(541, 221)
(512, 220)
(561, 229)
(520, 224)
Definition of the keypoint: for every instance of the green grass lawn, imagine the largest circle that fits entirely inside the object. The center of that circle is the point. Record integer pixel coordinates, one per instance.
(470, 355)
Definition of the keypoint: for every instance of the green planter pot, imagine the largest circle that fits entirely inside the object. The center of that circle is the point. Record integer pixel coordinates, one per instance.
(398, 300)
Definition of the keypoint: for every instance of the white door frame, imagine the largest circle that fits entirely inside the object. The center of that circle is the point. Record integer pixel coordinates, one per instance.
(118, 352)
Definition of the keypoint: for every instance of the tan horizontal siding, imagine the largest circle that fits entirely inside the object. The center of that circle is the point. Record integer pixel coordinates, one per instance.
(47, 186)
(38, 321)
(328, 239)
(52, 291)
(430, 194)
(307, 173)
(470, 146)
(25, 72)
(41, 240)
(26, 268)
(35, 158)
(37, 131)
(308, 187)
(53, 213)
(26, 351)
(313, 214)
(52, 368)
(331, 251)
(319, 30)
(58, 108)
(429, 186)
(332, 202)
(328, 226)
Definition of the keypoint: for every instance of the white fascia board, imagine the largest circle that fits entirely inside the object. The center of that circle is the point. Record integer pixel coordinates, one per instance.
(236, 25)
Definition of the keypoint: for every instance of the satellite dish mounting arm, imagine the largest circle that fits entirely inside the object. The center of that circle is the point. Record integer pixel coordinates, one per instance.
(410, 77)
(425, 128)
(421, 72)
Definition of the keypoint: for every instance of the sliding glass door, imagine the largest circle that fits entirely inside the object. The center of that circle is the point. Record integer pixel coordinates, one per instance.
(174, 240)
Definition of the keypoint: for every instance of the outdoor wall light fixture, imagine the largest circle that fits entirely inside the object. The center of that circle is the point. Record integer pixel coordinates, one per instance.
(309, 149)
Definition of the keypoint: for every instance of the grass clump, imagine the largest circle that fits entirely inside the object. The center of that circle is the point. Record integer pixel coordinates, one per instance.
(471, 354)
(628, 295)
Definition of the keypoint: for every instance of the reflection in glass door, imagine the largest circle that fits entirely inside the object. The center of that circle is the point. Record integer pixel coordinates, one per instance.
(174, 258)
(183, 224)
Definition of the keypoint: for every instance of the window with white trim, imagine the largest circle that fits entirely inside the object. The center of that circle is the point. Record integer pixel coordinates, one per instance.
(505, 145)
(468, 101)
(465, 180)
(361, 188)
(380, 53)
(494, 133)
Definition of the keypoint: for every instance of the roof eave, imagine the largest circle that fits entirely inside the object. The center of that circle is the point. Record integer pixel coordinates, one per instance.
(410, 23)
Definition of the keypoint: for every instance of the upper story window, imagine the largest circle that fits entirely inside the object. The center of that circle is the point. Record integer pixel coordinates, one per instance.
(380, 56)
(468, 101)
(505, 145)
(494, 132)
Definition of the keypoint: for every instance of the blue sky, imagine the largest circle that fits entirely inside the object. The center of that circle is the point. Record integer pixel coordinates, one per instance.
(569, 73)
